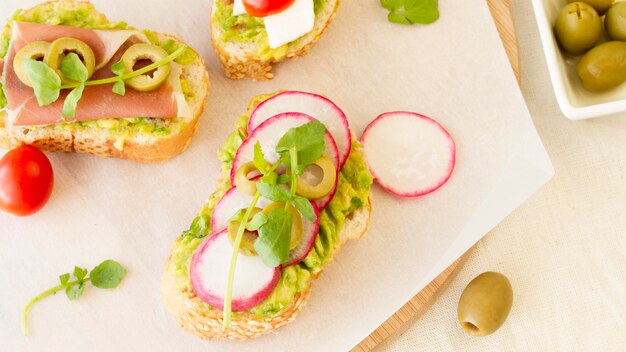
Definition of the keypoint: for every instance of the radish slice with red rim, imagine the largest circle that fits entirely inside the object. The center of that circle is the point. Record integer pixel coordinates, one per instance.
(231, 202)
(208, 270)
(234, 200)
(409, 154)
(314, 105)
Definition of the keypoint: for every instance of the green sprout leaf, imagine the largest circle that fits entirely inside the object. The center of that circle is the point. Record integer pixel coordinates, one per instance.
(308, 140)
(71, 102)
(273, 242)
(118, 68)
(74, 291)
(80, 273)
(119, 88)
(273, 192)
(270, 178)
(284, 178)
(412, 11)
(64, 278)
(45, 81)
(259, 159)
(304, 207)
(73, 68)
(256, 222)
(108, 274)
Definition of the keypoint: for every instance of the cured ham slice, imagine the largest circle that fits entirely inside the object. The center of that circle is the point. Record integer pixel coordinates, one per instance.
(99, 101)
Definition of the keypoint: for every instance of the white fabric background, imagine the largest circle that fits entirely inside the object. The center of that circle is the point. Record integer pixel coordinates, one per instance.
(564, 250)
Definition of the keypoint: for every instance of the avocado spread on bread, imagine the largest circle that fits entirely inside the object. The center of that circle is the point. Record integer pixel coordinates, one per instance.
(352, 193)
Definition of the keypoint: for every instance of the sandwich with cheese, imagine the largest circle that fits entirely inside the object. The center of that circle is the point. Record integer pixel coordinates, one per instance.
(250, 35)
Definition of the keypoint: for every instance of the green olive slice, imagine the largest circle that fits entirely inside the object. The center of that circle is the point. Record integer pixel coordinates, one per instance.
(149, 81)
(243, 181)
(35, 51)
(296, 224)
(318, 179)
(248, 239)
(63, 46)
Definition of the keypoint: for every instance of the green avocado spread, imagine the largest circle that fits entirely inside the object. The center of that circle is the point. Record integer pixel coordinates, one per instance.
(249, 29)
(352, 193)
(86, 16)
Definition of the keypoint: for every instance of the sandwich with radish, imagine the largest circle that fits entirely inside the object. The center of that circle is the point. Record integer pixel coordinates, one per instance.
(72, 81)
(251, 35)
(293, 188)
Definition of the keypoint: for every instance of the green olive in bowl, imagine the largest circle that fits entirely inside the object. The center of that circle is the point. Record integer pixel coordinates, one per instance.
(615, 22)
(578, 28)
(485, 303)
(601, 6)
(603, 67)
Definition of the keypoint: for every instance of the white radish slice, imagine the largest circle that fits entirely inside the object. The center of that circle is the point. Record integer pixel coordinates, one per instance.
(234, 200)
(409, 154)
(230, 203)
(313, 105)
(210, 263)
(269, 133)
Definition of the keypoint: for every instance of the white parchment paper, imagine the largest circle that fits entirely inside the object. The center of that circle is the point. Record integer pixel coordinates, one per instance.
(455, 71)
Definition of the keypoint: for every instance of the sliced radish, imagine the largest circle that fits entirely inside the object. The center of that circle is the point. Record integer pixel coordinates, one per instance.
(269, 133)
(253, 282)
(313, 105)
(234, 200)
(409, 154)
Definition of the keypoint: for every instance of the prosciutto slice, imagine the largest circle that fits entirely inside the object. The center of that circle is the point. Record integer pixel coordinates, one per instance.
(99, 101)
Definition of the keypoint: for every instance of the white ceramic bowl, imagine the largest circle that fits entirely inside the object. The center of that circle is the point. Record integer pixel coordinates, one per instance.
(575, 102)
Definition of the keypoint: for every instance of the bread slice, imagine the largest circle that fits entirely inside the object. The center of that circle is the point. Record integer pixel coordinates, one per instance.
(194, 315)
(191, 313)
(241, 60)
(87, 138)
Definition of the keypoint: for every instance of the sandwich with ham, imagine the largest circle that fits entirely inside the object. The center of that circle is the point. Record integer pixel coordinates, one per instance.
(72, 81)
(250, 35)
(294, 187)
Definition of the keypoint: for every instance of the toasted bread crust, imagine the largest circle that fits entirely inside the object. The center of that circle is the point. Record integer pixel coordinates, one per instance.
(242, 65)
(100, 142)
(191, 313)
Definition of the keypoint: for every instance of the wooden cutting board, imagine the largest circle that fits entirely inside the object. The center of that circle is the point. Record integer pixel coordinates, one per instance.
(501, 12)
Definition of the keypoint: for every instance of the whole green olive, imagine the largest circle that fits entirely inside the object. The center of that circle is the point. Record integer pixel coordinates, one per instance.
(485, 303)
(615, 22)
(603, 67)
(578, 28)
(601, 6)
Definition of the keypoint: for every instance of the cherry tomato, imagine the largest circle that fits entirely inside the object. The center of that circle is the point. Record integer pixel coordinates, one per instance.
(263, 8)
(26, 180)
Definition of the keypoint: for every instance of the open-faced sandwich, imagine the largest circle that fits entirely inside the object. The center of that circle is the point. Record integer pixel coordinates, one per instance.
(251, 35)
(293, 188)
(73, 81)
